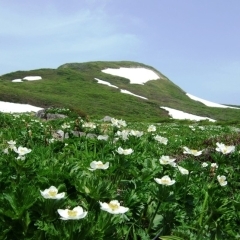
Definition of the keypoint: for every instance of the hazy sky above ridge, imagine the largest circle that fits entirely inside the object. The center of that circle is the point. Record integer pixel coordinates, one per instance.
(194, 43)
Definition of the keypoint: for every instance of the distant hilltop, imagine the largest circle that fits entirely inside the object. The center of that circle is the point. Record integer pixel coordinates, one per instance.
(124, 89)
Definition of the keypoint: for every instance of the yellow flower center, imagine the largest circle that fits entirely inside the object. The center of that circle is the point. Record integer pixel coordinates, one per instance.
(194, 151)
(99, 165)
(224, 150)
(165, 181)
(52, 193)
(113, 206)
(72, 213)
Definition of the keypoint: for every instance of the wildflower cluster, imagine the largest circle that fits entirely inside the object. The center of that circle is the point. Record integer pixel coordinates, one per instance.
(72, 179)
(64, 111)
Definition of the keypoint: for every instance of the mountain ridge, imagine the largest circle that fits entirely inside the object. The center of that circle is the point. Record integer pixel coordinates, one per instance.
(73, 85)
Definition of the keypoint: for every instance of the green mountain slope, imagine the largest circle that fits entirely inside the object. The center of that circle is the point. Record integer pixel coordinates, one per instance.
(73, 85)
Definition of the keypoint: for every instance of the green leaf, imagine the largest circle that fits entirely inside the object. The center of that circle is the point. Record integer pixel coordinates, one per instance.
(171, 238)
(157, 220)
(12, 202)
(86, 190)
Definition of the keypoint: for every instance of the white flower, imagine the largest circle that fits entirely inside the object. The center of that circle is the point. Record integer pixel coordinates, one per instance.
(124, 151)
(201, 127)
(151, 128)
(75, 214)
(160, 139)
(183, 170)
(98, 165)
(122, 123)
(21, 157)
(224, 149)
(192, 151)
(113, 207)
(22, 150)
(114, 122)
(214, 165)
(222, 180)
(136, 133)
(89, 125)
(52, 193)
(65, 126)
(165, 180)
(118, 123)
(51, 140)
(103, 137)
(204, 164)
(5, 151)
(123, 134)
(164, 160)
(192, 127)
(11, 144)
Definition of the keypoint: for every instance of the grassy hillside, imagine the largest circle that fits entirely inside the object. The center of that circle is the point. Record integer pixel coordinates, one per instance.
(73, 85)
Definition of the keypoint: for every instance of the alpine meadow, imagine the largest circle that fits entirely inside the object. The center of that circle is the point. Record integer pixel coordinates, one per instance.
(118, 160)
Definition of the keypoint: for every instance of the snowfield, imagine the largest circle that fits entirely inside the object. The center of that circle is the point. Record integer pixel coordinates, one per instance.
(208, 103)
(29, 78)
(177, 114)
(8, 107)
(135, 75)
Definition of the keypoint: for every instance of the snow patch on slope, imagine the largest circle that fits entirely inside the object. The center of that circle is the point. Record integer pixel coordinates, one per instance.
(121, 90)
(28, 78)
(105, 83)
(177, 114)
(135, 75)
(8, 107)
(127, 92)
(208, 103)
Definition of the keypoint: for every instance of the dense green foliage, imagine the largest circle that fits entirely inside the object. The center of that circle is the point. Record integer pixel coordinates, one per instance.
(195, 207)
(73, 86)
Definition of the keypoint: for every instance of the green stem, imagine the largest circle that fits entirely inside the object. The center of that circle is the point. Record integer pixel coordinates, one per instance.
(185, 193)
(202, 213)
(144, 211)
(154, 215)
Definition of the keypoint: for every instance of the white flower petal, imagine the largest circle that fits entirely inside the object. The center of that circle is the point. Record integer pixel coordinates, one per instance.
(183, 170)
(222, 180)
(224, 148)
(52, 193)
(192, 151)
(75, 214)
(151, 128)
(22, 150)
(165, 180)
(98, 165)
(124, 151)
(113, 207)
(204, 164)
(164, 160)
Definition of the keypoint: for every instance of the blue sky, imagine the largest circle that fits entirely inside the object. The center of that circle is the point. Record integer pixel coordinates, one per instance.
(194, 43)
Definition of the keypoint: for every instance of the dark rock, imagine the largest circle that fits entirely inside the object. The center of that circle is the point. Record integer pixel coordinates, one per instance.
(49, 116)
(41, 114)
(52, 116)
